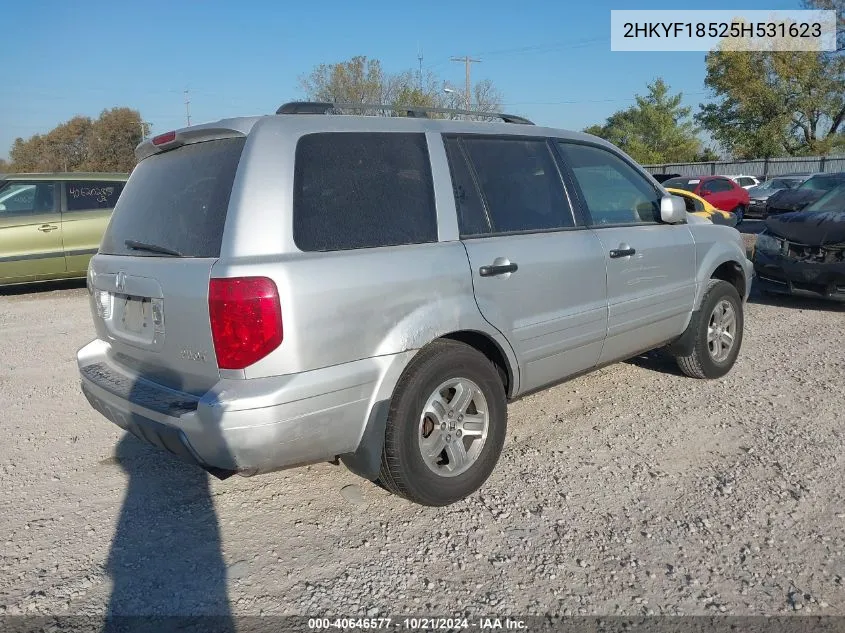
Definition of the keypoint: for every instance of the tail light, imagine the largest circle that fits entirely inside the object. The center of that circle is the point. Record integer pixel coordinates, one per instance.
(164, 139)
(246, 320)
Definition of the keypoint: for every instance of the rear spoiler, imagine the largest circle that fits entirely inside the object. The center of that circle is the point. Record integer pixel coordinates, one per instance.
(185, 136)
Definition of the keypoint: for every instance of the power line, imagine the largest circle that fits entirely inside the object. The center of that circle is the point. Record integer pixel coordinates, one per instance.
(535, 49)
(579, 101)
(547, 48)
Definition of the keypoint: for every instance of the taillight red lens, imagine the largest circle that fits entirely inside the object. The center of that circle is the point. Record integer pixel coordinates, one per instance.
(163, 139)
(246, 320)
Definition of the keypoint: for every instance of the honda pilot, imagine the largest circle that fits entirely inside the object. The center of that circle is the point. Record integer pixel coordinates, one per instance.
(312, 286)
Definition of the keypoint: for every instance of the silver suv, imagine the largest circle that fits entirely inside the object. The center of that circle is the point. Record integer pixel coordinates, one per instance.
(312, 286)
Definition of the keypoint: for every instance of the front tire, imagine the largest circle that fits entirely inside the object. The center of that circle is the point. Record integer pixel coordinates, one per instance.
(718, 333)
(446, 425)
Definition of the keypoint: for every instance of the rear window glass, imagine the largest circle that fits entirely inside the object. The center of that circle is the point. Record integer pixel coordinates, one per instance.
(177, 200)
(362, 190)
(92, 195)
(823, 183)
(682, 183)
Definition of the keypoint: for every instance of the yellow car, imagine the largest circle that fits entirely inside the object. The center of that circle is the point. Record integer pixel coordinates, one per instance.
(51, 224)
(700, 207)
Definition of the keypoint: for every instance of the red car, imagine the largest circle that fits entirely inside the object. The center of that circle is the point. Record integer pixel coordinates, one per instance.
(723, 193)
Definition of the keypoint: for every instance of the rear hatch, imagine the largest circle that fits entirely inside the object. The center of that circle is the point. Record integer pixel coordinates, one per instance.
(150, 278)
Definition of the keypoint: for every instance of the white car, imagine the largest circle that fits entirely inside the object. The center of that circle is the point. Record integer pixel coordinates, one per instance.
(746, 182)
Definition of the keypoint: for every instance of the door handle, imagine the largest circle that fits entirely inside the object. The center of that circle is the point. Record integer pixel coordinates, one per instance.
(622, 252)
(46, 228)
(501, 269)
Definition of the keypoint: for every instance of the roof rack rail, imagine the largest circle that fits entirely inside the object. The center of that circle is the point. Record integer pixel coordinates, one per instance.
(316, 107)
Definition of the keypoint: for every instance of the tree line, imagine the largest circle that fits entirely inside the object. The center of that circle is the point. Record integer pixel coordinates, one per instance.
(106, 143)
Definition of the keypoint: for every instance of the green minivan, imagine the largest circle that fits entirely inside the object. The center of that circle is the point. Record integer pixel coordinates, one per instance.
(51, 224)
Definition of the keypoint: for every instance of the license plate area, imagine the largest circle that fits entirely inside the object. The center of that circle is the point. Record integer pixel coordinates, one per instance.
(136, 316)
(139, 320)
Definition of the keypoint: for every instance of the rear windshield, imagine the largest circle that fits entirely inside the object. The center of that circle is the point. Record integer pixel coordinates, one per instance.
(823, 183)
(176, 200)
(681, 183)
(833, 200)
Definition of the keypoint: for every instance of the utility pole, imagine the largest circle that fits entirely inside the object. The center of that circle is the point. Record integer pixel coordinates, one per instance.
(144, 127)
(420, 58)
(467, 60)
(187, 107)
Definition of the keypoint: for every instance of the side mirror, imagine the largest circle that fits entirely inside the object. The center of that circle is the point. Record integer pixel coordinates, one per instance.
(673, 210)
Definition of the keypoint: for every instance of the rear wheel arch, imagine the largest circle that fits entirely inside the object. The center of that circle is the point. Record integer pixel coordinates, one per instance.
(492, 350)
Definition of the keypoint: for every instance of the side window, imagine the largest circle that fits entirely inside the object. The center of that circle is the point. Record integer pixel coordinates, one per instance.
(27, 197)
(615, 193)
(520, 183)
(717, 185)
(745, 182)
(86, 195)
(472, 218)
(362, 190)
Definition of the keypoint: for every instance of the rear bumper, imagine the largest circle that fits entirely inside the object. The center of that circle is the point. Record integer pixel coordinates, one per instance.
(776, 273)
(244, 426)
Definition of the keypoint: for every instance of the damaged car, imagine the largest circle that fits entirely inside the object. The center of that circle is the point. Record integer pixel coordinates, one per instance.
(788, 200)
(803, 252)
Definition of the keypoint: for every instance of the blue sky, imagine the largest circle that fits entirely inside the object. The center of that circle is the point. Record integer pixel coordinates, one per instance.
(551, 60)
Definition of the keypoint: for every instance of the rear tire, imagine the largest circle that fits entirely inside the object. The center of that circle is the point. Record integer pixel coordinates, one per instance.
(446, 425)
(718, 333)
(740, 213)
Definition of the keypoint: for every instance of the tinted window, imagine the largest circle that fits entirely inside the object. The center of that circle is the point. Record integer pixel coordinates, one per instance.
(92, 195)
(177, 199)
(822, 183)
(362, 190)
(682, 183)
(744, 182)
(833, 200)
(520, 183)
(472, 218)
(27, 197)
(717, 185)
(614, 191)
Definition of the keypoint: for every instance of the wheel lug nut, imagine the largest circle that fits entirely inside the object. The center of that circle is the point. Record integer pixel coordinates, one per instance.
(460, 418)
(448, 438)
(451, 414)
(458, 433)
(442, 426)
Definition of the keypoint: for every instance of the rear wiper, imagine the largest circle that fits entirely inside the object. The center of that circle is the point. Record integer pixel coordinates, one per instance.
(152, 248)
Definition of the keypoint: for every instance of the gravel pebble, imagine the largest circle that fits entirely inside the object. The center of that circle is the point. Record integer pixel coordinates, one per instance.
(632, 490)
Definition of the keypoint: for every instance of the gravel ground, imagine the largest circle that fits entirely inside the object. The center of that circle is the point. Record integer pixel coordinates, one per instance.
(631, 491)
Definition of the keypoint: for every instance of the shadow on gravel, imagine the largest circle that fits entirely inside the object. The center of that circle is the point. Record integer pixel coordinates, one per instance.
(166, 557)
(793, 302)
(658, 361)
(43, 288)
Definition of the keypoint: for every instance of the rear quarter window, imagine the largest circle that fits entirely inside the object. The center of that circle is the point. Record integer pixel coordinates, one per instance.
(362, 190)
